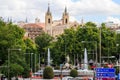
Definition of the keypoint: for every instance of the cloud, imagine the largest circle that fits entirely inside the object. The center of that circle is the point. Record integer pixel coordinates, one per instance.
(113, 19)
(72, 19)
(20, 9)
(95, 7)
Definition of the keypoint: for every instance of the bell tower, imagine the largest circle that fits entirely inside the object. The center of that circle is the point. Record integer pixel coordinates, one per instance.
(48, 21)
(48, 17)
(65, 17)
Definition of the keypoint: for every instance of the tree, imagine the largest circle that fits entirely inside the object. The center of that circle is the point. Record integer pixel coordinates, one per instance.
(70, 42)
(14, 70)
(43, 42)
(31, 47)
(108, 41)
(48, 73)
(11, 37)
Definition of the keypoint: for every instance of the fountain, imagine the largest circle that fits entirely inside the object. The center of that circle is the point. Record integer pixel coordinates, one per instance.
(48, 57)
(66, 68)
(85, 60)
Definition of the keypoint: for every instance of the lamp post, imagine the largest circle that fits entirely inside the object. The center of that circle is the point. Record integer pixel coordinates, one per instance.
(30, 60)
(39, 61)
(35, 62)
(9, 60)
(100, 47)
(117, 45)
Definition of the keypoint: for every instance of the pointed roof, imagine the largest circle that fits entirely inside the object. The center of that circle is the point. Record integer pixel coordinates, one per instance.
(48, 7)
(65, 9)
(48, 11)
(26, 20)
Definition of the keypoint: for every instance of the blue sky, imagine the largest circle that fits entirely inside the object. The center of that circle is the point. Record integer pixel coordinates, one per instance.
(117, 1)
(90, 10)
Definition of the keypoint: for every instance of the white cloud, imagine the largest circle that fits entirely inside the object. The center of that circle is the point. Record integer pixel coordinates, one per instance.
(113, 19)
(72, 19)
(20, 9)
(95, 7)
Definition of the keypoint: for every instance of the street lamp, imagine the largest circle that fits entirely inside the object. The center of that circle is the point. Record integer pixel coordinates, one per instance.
(100, 47)
(30, 60)
(9, 59)
(118, 62)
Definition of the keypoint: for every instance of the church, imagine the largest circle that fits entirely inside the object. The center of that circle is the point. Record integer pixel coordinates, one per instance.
(50, 26)
(57, 27)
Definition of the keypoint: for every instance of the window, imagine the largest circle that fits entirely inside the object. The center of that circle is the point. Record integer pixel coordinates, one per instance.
(66, 21)
(49, 20)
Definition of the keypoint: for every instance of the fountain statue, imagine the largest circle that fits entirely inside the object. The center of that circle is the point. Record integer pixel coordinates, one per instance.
(67, 65)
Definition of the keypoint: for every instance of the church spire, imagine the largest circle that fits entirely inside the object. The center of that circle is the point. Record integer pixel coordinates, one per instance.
(65, 9)
(26, 20)
(48, 11)
(48, 18)
(65, 17)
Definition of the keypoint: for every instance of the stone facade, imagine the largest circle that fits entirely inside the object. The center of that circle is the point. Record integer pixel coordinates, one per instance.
(57, 27)
(33, 29)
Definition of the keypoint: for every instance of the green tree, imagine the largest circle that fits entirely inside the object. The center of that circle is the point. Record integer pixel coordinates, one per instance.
(11, 36)
(70, 42)
(108, 42)
(31, 47)
(14, 70)
(43, 42)
(11, 39)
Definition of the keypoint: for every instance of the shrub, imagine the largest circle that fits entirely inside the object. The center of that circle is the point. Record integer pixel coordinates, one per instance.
(73, 73)
(48, 73)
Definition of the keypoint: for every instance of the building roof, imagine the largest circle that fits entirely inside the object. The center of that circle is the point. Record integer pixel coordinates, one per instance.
(40, 25)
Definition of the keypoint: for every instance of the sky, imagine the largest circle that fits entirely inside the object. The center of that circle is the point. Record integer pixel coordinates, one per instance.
(97, 11)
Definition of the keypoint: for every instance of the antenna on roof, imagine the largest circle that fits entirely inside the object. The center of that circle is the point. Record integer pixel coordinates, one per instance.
(26, 20)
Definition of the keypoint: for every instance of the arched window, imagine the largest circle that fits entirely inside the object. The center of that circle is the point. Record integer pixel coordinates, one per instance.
(66, 21)
(49, 20)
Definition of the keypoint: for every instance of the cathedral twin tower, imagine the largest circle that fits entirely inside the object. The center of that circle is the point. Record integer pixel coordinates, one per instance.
(49, 21)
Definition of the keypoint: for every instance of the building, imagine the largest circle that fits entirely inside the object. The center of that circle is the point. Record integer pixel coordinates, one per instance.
(52, 27)
(32, 30)
(57, 27)
(112, 25)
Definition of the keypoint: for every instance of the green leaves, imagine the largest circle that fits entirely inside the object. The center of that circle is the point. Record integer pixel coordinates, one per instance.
(71, 41)
(11, 37)
(48, 73)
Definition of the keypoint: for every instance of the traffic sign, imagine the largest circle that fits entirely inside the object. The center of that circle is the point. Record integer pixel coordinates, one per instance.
(105, 73)
(119, 76)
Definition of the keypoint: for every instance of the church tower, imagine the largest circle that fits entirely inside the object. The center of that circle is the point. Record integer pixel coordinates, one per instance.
(65, 17)
(48, 21)
(48, 17)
